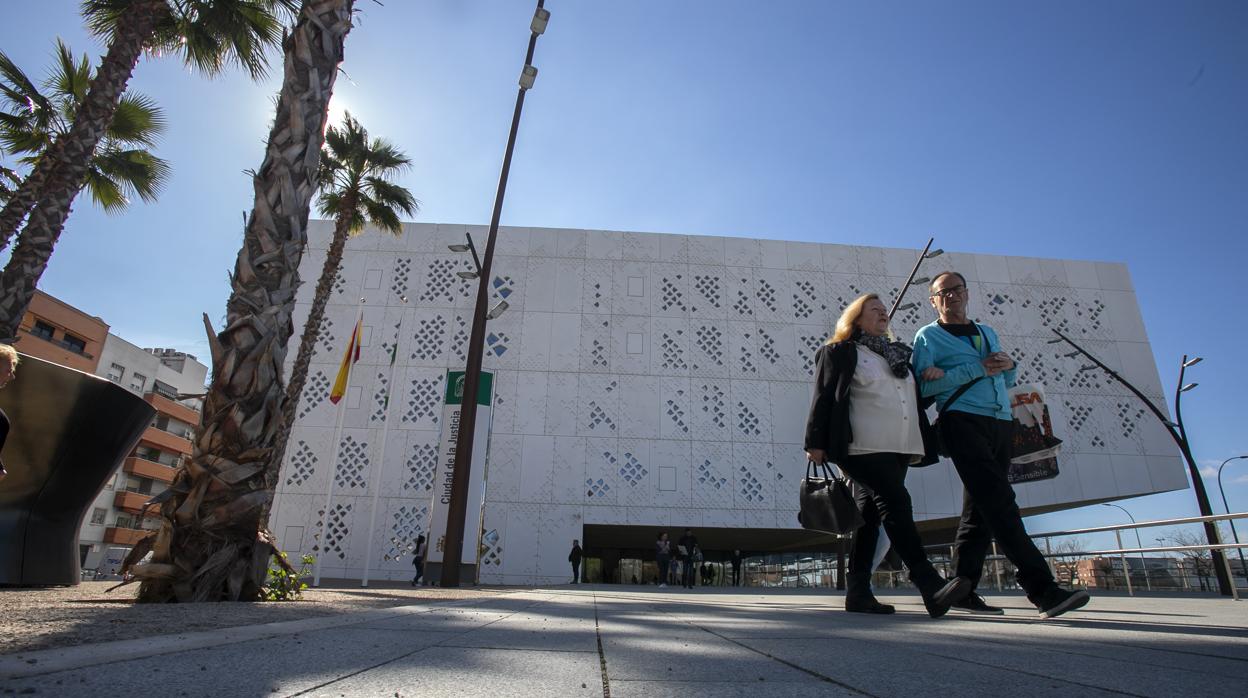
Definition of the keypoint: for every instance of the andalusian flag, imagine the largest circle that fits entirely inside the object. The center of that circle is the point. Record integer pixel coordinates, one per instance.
(344, 371)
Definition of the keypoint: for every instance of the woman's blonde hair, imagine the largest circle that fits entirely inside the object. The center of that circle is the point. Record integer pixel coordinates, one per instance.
(847, 325)
(8, 352)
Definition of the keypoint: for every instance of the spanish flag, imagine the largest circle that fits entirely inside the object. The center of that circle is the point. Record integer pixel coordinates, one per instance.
(344, 371)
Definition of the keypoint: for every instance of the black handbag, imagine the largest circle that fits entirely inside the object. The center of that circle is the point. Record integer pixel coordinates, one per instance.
(826, 504)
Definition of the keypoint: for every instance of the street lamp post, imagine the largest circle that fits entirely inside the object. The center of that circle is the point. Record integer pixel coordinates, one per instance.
(1235, 534)
(1139, 543)
(1179, 434)
(454, 542)
(911, 281)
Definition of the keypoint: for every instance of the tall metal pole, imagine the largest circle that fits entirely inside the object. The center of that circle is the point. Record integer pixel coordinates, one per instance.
(1139, 543)
(1235, 534)
(453, 547)
(902, 291)
(1202, 497)
(1180, 437)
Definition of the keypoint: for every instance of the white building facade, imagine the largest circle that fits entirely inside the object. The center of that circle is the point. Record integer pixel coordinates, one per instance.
(659, 381)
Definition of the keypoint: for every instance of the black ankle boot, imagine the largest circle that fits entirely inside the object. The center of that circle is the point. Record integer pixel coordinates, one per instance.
(858, 596)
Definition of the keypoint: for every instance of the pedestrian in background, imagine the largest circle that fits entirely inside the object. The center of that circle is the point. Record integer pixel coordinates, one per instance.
(663, 556)
(574, 557)
(687, 544)
(418, 560)
(736, 568)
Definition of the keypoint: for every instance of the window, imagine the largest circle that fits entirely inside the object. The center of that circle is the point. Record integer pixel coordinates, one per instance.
(138, 381)
(74, 344)
(42, 330)
(125, 521)
(115, 372)
(164, 389)
(97, 516)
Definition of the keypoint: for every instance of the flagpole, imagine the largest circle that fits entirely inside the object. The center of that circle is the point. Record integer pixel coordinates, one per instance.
(333, 461)
(381, 458)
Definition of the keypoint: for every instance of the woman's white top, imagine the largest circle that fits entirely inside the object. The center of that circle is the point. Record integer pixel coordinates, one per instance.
(883, 409)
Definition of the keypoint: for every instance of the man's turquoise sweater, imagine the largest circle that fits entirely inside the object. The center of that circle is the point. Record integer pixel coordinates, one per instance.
(934, 346)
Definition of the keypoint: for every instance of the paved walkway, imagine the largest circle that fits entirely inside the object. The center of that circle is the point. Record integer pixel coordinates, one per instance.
(641, 641)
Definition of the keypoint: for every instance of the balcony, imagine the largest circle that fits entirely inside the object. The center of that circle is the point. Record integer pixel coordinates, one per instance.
(124, 536)
(166, 441)
(172, 408)
(146, 468)
(132, 502)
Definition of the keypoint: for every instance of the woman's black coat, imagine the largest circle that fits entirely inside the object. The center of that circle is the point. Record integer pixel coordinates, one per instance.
(827, 426)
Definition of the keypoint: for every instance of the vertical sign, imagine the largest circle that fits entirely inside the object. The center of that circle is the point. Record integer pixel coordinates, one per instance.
(444, 477)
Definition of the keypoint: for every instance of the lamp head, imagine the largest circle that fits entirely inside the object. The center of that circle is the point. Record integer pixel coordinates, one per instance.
(1188, 387)
(1192, 361)
(467, 275)
(458, 248)
(934, 253)
(497, 310)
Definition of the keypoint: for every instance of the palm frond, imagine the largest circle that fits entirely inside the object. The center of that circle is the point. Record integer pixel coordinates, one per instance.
(381, 215)
(135, 172)
(392, 195)
(105, 191)
(384, 157)
(137, 121)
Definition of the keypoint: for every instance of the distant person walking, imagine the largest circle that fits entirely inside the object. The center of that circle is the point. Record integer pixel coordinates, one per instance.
(736, 568)
(663, 556)
(574, 557)
(865, 417)
(8, 371)
(688, 543)
(418, 560)
(977, 427)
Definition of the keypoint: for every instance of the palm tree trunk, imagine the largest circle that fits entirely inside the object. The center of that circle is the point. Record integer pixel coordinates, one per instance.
(311, 329)
(210, 545)
(26, 196)
(66, 163)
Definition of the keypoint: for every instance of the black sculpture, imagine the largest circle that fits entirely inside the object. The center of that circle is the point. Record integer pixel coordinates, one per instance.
(70, 430)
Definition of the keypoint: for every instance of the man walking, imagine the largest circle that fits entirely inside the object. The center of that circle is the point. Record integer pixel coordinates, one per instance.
(976, 426)
(418, 559)
(687, 544)
(736, 568)
(575, 558)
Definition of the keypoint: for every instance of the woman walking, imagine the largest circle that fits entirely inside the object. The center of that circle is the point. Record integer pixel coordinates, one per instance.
(865, 417)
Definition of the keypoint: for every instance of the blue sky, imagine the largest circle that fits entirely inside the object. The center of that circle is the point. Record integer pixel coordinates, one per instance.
(1105, 131)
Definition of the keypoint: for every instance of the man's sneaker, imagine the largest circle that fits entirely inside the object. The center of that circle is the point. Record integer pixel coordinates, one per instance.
(868, 605)
(974, 603)
(1057, 601)
(953, 591)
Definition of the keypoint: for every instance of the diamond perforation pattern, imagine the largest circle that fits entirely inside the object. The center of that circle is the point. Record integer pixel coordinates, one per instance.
(422, 400)
(325, 335)
(751, 489)
(429, 335)
(314, 393)
(407, 523)
(673, 354)
(804, 302)
(421, 465)
(767, 348)
(335, 531)
(747, 421)
(670, 295)
(709, 476)
(742, 304)
(491, 548)
(710, 287)
(713, 404)
(441, 283)
(632, 470)
(807, 345)
(711, 341)
(402, 269)
(677, 414)
(767, 295)
(598, 416)
(302, 465)
(352, 464)
(381, 399)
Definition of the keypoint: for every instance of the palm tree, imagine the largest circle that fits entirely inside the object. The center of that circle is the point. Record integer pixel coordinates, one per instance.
(211, 545)
(209, 35)
(356, 189)
(31, 121)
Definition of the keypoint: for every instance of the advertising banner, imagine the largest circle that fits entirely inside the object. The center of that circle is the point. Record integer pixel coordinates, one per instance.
(444, 478)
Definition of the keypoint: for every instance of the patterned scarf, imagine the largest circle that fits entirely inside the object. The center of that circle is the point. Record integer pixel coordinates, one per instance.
(897, 354)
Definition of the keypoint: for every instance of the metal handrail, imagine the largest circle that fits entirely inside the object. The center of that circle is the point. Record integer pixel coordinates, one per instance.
(1142, 524)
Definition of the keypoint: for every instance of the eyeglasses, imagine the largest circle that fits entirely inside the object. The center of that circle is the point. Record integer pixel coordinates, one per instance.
(948, 293)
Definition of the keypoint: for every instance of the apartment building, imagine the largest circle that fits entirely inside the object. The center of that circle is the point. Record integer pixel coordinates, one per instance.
(173, 383)
(56, 331)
